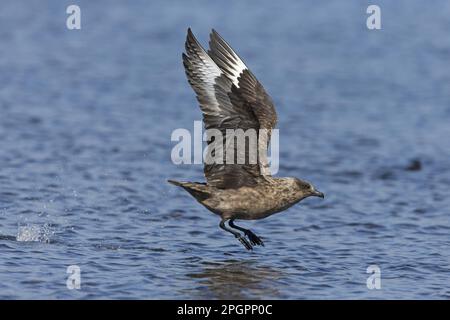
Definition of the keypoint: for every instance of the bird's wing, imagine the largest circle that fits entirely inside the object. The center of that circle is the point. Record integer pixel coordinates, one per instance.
(246, 91)
(213, 89)
(230, 98)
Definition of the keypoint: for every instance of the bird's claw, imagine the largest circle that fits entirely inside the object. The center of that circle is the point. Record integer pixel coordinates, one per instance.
(246, 244)
(254, 239)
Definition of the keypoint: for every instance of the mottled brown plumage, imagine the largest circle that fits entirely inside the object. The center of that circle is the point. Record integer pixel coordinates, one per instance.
(231, 97)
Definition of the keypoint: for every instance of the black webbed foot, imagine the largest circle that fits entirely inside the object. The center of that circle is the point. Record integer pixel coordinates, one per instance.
(245, 243)
(254, 239)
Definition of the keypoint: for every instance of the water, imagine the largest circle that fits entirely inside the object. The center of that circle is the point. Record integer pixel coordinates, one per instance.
(85, 125)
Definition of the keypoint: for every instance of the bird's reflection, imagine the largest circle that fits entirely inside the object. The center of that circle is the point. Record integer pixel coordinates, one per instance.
(233, 279)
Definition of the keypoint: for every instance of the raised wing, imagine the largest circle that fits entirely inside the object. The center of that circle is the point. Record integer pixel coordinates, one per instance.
(228, 95)
(248, 90)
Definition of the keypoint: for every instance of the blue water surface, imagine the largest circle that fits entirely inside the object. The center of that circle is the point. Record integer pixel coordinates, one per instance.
(85, 123)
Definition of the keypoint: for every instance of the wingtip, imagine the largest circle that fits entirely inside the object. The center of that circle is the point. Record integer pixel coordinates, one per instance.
(190, 38)
(213, 34)
(214, 37)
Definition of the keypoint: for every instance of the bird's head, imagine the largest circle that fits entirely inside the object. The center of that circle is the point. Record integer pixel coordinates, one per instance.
(306, 189)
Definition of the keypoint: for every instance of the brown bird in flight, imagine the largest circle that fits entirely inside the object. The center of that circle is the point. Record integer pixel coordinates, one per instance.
(231, 97)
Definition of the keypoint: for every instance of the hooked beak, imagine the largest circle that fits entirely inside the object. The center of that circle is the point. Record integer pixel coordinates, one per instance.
(318, 194)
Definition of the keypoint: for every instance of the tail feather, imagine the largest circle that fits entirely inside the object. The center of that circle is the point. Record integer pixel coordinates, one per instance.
(199, 191)
(174, 182)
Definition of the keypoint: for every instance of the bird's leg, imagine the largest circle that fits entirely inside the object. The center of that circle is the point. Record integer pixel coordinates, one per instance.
(244, 241)
(254, 239)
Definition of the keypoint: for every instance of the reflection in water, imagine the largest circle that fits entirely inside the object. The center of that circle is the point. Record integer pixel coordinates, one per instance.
(234, 279)
(6, 237)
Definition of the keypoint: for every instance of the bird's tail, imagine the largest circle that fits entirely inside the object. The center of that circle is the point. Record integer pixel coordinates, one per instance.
(176, 183)
(200, 191)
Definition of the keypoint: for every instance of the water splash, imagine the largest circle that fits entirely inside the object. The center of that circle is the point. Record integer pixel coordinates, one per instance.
(34, 233)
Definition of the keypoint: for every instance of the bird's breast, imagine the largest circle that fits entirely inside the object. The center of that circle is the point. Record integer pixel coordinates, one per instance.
(250, 203)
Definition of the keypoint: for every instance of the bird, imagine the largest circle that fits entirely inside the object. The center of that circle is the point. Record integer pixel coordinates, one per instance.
(230, 97)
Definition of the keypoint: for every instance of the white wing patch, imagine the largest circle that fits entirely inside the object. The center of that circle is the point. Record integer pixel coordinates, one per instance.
(209, 72)
(225, 57)
(202, 73)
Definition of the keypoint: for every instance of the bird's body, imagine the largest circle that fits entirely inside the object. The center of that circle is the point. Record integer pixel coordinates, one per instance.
(231, 97)
(247, 203)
